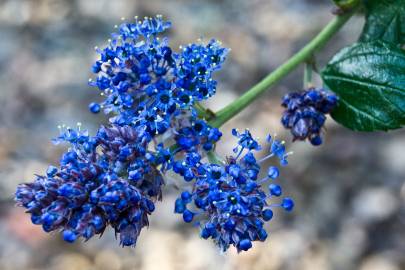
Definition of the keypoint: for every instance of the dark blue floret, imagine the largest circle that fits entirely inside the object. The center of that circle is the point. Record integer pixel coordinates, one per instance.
(94, 107)
(305, 113)
(188, 216)
(287, 204)
(273, 172)
(245, 244)
(246, 141)
(275, 190)
(69, 236)
(179, 206)
(267, 215)
(51, 171)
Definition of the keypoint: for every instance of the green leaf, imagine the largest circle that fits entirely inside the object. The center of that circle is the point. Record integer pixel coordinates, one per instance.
(369, 79)
(385, 20)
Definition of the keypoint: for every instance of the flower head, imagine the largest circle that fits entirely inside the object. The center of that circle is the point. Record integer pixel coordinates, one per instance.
(106, 180)
(197, 134)
(143, 78)
(145, 84)
(305, 113)
(113, 178)
(228, 201)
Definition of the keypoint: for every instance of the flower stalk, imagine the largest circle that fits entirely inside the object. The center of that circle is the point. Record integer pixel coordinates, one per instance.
(203, 112)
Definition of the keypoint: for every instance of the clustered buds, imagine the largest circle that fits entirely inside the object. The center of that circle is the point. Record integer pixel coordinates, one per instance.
(305, 113)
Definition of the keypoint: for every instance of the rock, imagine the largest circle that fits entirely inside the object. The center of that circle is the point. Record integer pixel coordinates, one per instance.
(164, 216)
(107, 260)
(14, 255)
(159, 249)
(377, 262)
(200, 254)
(375, 204)
(403, 193)
(18, 172)
(281, 247)
(393, 155)
(315, 259)
(349, 245)
(116, 9)
(71, 261)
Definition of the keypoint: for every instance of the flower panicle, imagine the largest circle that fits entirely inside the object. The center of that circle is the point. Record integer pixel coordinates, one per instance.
(305, 113)
(114, 178)
(229, 201)
(146, 84)
(110, 179)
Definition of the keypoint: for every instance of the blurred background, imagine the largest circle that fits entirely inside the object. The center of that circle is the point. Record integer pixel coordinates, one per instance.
(350, 192)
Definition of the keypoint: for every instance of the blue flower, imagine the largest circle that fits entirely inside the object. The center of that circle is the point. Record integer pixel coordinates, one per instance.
(145, 84)
(197, 62)
(113, 179)
(245, 141)
(137, 65)
(227, 200)
(305, 113)
(188, 168)
(197, 134)
(107, 180)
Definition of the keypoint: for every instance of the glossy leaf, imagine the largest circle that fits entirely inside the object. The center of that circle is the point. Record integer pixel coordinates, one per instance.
(369, 79)
(385, 20)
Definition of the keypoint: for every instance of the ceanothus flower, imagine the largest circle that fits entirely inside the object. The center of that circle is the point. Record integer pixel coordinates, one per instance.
(146, 84)
(110, 179)
(305, 113)
(114, 178)
(196, 65)
(228, 201)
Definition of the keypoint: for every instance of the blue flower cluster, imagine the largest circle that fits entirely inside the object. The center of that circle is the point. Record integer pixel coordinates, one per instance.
(305, 113)
(110, 179)
(146, 83)
(149, 86)
(228, 201)
(195, 134)
(114, 178)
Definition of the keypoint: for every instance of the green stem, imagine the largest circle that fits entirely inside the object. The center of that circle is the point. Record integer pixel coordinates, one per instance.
(203, 112)
(223, 115)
